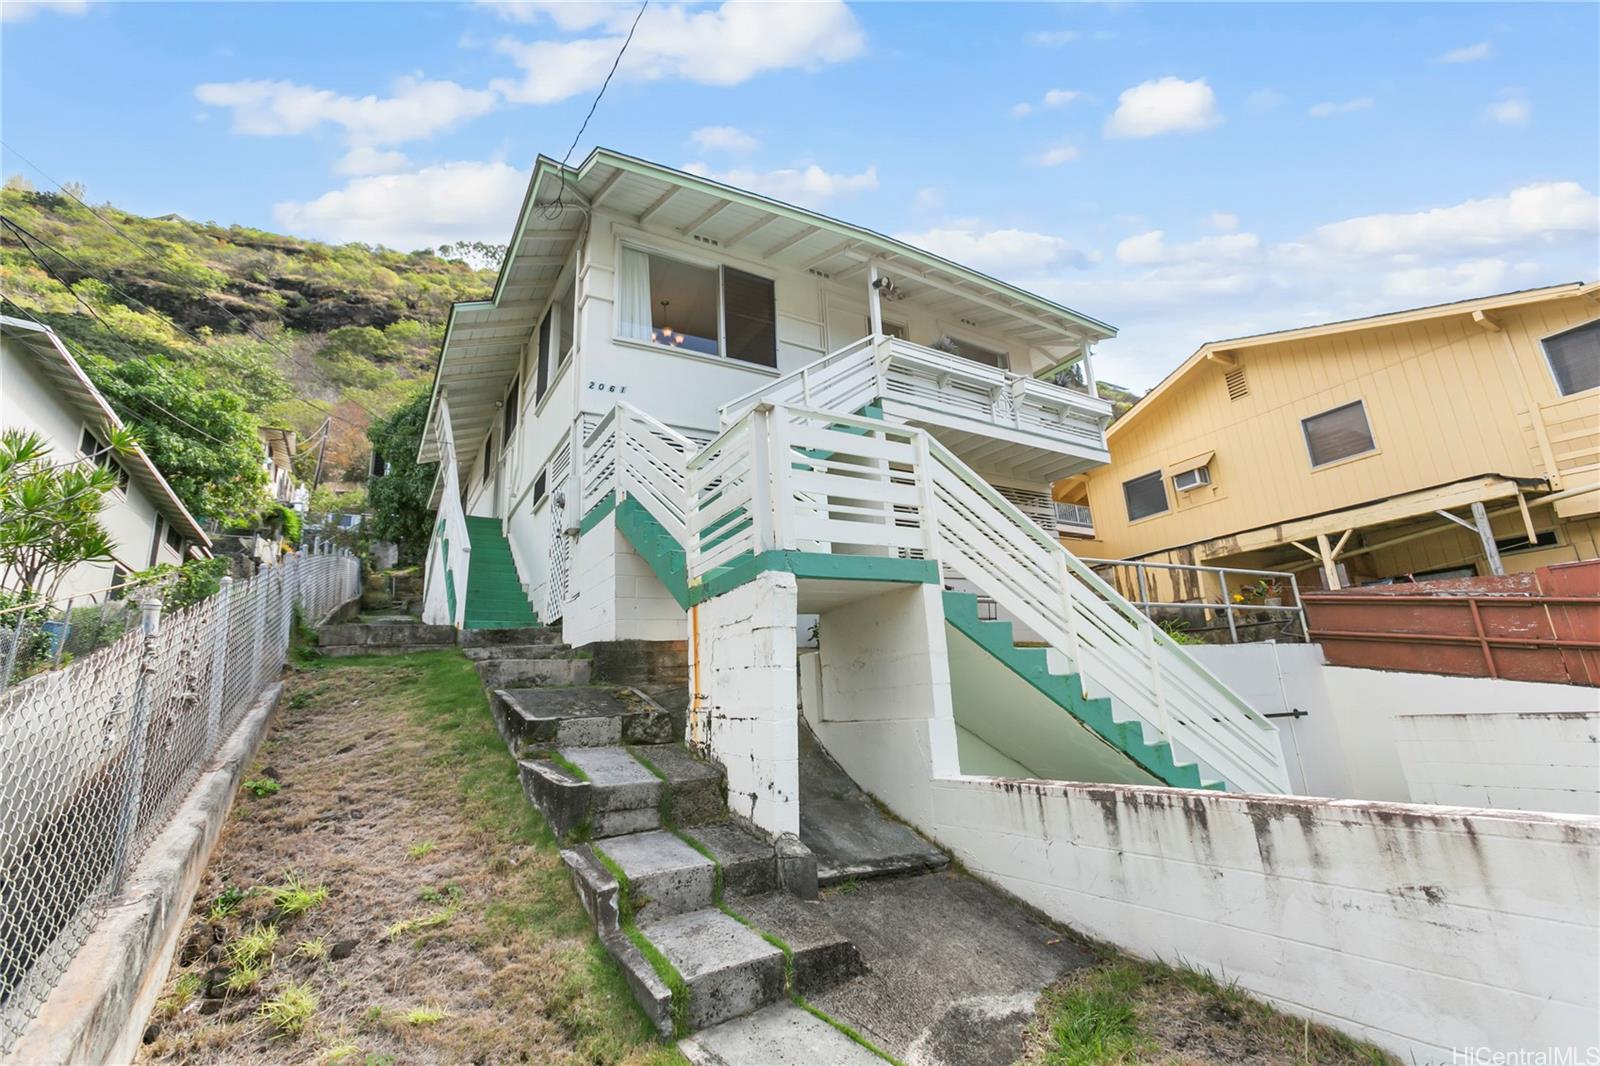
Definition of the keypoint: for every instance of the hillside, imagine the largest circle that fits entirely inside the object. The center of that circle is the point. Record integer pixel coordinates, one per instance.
(302, 331)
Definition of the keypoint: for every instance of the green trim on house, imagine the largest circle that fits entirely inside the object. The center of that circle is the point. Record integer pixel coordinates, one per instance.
(1064, 690)
(817, 566)
(657, 547)
(495, 597)
(597, 513)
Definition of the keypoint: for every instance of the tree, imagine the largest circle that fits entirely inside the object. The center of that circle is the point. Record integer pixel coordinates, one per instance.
(50, 512)
(399, 499)
(202, 438)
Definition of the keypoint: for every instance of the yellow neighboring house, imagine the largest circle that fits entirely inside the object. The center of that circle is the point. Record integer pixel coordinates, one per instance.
(1452, 440)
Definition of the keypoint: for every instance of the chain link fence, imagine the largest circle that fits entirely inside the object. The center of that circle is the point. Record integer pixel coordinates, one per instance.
(95, 756)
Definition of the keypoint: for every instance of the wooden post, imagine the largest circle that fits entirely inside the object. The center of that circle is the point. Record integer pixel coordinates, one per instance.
(1491, 551)
(874, 303)
(759, 440)
(1330, 570)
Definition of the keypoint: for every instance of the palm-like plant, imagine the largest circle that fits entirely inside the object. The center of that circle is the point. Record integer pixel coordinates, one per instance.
(50, 512)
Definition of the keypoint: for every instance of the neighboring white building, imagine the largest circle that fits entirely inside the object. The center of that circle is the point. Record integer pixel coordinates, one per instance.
(43, 389)
(277, 459)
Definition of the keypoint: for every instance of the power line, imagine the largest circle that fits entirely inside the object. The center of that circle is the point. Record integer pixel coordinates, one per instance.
(554, 210)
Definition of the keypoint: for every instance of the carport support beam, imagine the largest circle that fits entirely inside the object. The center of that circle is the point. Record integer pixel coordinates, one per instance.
(1491, 551)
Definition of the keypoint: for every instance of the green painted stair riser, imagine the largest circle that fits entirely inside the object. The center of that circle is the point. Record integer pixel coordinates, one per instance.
(1032, 665)
(495, 599)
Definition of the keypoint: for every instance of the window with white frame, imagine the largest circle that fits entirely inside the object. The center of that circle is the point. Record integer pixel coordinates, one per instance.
(1145, 496)
(100, 454)
(1574, 358)
(708, 310)
(1338, 434)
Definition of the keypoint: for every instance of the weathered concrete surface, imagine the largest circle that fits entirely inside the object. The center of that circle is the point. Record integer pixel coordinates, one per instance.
(749, 865)
(526, 673)
(823, 956)
(584, 716)
(652, 995)
(597, 890)
(665, 875)
(479, 652)
(695, 786)
(641, 662)
(482, 638)
(849, 835)
(780, 1035)
(953, 968)
(396, 636)
(620, 795)
(97, 1013)
(728, 969)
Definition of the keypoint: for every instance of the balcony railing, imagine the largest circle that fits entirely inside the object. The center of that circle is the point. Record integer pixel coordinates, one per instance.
(1074, 517)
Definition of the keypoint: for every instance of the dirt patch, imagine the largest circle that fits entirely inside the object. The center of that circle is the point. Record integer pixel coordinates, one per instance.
(448, 931)
(1129, 1011)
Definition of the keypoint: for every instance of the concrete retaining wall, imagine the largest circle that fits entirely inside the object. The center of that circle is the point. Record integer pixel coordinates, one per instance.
(614, 595)
(1423, 929)
(97, 1013)
(1527, 761)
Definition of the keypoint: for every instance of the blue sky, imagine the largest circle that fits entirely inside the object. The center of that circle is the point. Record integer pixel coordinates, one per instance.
(1183, 171)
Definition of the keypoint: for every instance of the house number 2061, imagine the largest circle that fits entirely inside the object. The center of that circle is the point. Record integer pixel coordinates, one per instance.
(601, 386)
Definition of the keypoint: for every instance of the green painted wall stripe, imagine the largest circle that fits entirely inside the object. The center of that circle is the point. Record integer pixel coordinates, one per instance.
(597, 513)
(1032, 666)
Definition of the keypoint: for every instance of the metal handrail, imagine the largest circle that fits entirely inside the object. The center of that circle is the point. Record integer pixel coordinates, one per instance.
(1227, 606)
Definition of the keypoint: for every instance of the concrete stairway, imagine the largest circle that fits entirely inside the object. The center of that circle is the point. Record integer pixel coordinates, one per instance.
(495, 596)
(708, 919)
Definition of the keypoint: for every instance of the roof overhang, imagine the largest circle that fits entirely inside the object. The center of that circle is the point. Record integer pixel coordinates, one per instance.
(1225, 352)
(484, 339)
(57, 364)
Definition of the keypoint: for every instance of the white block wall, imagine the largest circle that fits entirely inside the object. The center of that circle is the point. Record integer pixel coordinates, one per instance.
(1530, 761)
(614, 595)
(1422, 929)
(742, 647)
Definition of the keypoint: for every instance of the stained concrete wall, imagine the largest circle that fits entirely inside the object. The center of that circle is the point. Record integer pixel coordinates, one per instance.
(1422, 929)
(742, 647)
(614, 595)
(1352, 743)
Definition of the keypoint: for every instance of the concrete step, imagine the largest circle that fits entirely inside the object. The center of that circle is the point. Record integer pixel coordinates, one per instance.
(383, 637)
(526, 673)
(779, 1035)
(480, 652)
(749, 863)
(662, 874)
(822, 956)
(728, 970)
(594, 792)
(478, 638)
(696, 793)
(592, 716)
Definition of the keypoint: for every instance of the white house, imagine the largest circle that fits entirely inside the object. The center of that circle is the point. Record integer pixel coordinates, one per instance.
(277, 460)
(682, 394)
(43, 390)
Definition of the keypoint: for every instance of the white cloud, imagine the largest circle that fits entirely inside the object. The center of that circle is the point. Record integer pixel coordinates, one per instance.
(928, 198)
(1021, 110)
(1165, 105)
(807, 186)
(1061, 97)
(18, 10)
(417, 108)
(423, 208)
(1152, 247)
(1532, 213)
(1470, 54)
(1053, 38)
(1056, 156)
(723, 139)
(1006, 250)
(1340, 107)
(365, 159)
(726, 45)
(569, 15)
(1512, 109)
(1476, 277)
(1225, 221)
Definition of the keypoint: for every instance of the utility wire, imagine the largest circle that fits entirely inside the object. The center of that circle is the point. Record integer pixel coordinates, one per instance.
(553, 211)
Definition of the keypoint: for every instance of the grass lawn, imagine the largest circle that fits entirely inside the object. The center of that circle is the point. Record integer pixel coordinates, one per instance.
(383, 893)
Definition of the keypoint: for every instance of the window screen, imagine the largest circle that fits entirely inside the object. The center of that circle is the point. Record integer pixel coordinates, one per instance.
(1575, 358)
(1338, 434)
(1145, 495)
(750, 313)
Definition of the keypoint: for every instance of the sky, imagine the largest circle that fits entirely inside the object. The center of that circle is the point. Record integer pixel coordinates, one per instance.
(1185, 172)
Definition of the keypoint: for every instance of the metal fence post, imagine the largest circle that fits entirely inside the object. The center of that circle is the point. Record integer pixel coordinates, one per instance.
(66, 631)
(219, 664)
(258, 593)
(11, 652)
(138, 725)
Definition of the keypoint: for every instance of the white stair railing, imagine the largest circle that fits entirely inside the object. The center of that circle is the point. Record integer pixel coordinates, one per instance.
(844, 380)
(641, 458)
(449, 549)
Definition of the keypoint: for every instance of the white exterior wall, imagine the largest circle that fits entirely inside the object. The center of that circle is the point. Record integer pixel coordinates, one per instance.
(1353, 743)
(1525, 761)
(1421, 929)
(614, 595)
(28, 401)
(742, 647)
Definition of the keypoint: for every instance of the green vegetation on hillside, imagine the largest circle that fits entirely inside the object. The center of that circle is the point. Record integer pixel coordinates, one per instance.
(198, 333)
